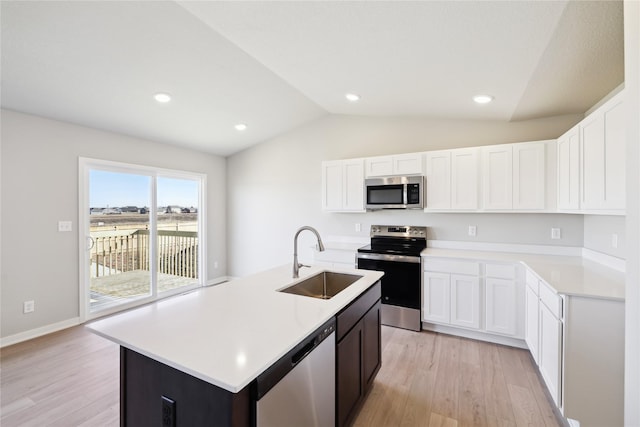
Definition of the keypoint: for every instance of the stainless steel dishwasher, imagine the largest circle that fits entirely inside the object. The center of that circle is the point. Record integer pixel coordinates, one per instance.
(299, 389)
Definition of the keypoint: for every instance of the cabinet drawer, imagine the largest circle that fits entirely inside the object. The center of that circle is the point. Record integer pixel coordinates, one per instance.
(348, 317)
(501, 271)
(552, 300)
(452, 266)
(532, 280)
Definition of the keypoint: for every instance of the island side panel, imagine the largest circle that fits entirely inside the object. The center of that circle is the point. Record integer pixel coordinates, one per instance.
(144, 381)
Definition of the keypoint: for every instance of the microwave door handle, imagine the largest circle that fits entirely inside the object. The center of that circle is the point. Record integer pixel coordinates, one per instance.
(405, 195)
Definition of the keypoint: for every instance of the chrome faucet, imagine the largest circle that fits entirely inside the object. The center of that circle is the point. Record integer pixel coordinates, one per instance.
(296, 265)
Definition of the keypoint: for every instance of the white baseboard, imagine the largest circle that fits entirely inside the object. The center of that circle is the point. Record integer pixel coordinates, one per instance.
(38, 332)
(476, 335)
(218, 280)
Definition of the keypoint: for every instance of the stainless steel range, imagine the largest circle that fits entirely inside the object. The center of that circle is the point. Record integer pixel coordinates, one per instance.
(395, 250)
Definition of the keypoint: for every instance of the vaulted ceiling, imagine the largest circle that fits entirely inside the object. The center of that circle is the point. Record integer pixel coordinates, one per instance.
(278, 65)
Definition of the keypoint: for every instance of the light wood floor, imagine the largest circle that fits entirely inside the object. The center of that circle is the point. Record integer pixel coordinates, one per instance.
(436, 380)
(71, 378)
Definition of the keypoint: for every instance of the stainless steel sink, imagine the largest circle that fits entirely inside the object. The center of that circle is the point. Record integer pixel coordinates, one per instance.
(323, 285)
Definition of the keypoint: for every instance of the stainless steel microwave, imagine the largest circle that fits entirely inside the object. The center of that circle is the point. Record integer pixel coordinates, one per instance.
(394, 192)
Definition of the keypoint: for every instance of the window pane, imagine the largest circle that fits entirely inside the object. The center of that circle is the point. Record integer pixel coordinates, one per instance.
(177, 224)
(119, 229)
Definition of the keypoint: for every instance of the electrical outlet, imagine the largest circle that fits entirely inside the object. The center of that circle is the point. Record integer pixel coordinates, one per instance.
(358, 227)
(29, 306)
(65, 226)
(555, 233)
(472, 230)
(614, 240)
(168, 412)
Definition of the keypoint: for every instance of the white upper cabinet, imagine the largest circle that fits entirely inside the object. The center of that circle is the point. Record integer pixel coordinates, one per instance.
(438, 179)
(343, 185)
(452, 179)
(401, 164)
(514, 176)
(529, 176)
(464, 178)
(602, 137)
(497, 181)
(569, 170)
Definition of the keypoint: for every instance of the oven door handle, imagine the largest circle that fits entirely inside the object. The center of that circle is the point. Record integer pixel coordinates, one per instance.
(387, 257)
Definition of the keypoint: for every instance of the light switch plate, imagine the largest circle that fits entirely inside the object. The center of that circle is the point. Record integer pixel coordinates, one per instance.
(555, 233)
(65, 226)
(472, 230)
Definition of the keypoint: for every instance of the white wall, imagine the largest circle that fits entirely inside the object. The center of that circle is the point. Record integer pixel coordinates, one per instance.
(275, 187)
(598, 234)
(40, 187)
(632, 309)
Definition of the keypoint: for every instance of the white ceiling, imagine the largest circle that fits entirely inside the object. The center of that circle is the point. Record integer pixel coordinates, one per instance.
(278, 65)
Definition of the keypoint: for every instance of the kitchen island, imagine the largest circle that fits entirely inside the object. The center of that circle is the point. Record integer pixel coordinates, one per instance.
(213, 343)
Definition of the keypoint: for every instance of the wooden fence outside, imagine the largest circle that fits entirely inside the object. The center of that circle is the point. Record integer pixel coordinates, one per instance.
(114, 254)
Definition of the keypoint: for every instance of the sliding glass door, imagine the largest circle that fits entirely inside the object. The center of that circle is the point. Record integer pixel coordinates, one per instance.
(140, 234)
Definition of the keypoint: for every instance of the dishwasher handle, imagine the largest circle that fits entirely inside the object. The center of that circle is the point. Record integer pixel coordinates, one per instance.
(304, 351)
(274, 373)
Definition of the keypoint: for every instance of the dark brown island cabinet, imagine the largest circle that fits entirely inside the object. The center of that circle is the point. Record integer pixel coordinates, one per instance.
(154, 394)
(358, 353)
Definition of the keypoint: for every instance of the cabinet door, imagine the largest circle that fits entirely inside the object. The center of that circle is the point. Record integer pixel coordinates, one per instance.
(353, 186)
(371, 345)
(603, 157)
(343, 185)
(465, 301)
(501, 305)
(569, 170)
(532, 324)
(497, 177)
(550, 362)
(593, 152)
(407, 164)
(529, 176)
(464, 179)
(438, 179)
(349, 373)
(437, 299)
(615, 149)
(378, 166)
(332, 194)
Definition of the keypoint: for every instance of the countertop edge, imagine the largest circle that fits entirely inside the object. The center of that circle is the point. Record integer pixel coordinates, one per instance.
(527, 261)
(102, 328)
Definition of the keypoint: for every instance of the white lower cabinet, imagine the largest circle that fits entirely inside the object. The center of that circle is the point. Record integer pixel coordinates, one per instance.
(550, 362)
(501, 306)
(452, 299)
(578, 345)
(460, 293)
(532, 315)
(544, 332)
(465, 301)
(437, 297)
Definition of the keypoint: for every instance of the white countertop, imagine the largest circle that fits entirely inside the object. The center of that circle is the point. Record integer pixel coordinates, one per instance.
(568, 275)
(229, 334)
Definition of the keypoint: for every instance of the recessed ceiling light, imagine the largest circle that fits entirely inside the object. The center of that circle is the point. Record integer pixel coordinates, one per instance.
(240, 127)
(352, 97)
(483, 99)
(162, 97)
